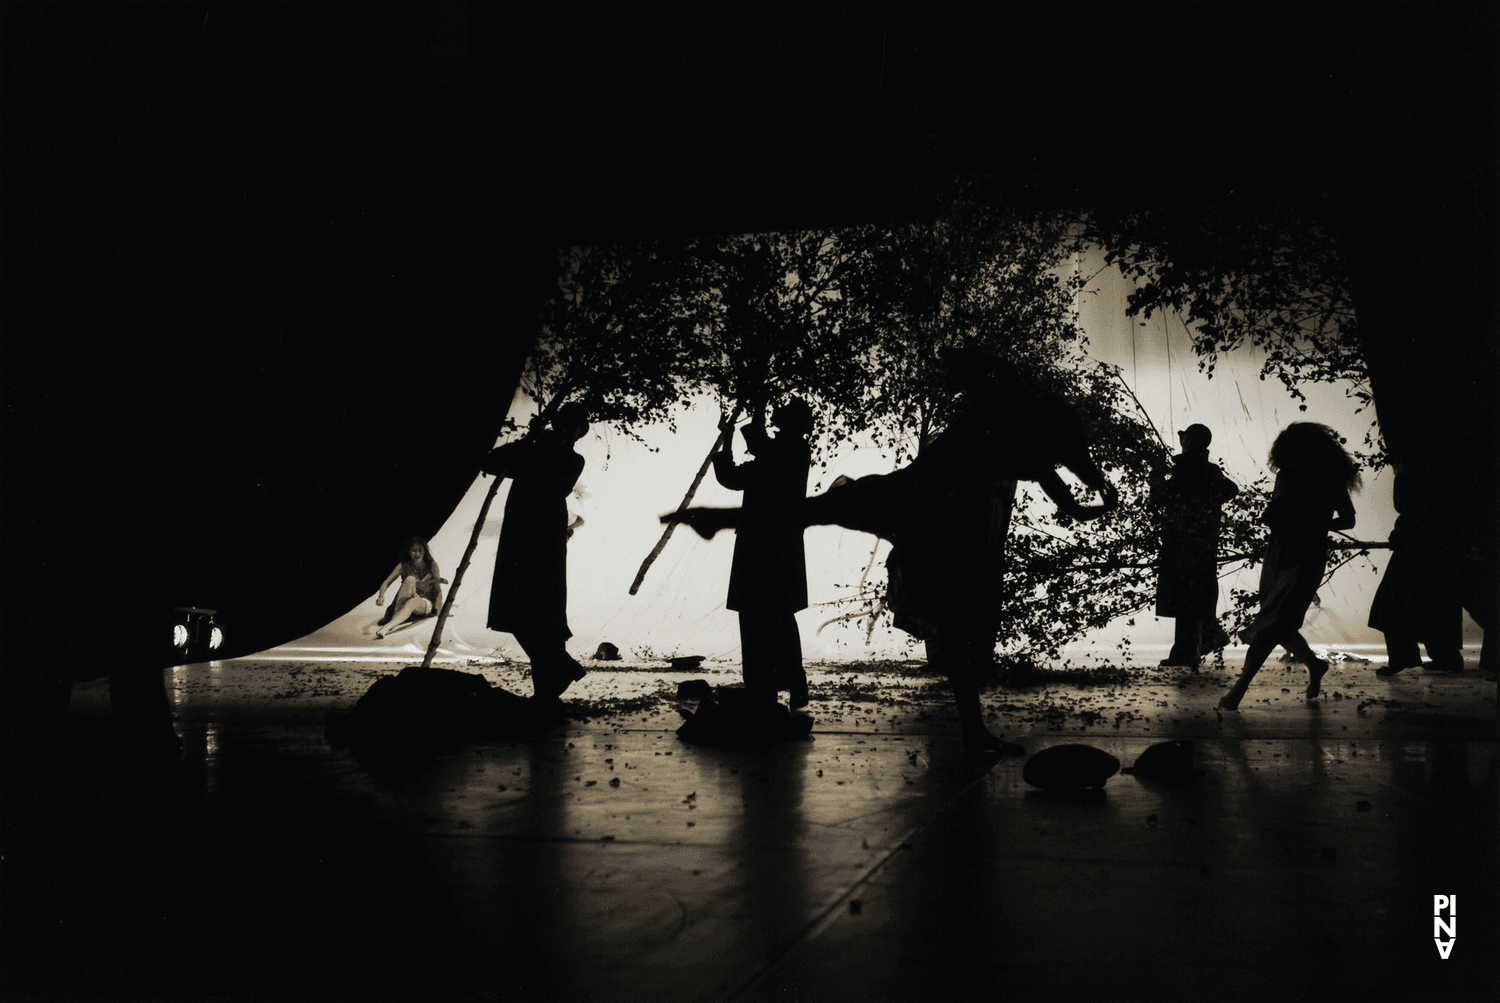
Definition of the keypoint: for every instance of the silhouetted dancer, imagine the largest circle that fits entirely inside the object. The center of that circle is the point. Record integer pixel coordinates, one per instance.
(768, 579)
(1188, 500)
(529, 596)
(1314, 476)
(947, 515)
(421, 591)
(1418, 601)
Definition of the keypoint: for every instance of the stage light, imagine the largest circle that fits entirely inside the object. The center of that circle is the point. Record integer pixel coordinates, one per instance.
(195, 633)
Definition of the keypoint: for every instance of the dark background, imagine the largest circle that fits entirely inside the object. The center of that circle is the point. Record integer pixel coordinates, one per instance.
(270, 270)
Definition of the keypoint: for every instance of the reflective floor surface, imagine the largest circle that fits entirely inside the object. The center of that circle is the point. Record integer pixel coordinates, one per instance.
(608, 860)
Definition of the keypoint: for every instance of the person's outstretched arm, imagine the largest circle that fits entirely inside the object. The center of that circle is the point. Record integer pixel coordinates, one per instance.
(755, 435)
(732, 475)
(1227, 488)
(501, 459)
(1051, 483)
(1343, 513)
(729, 474)
(434, 582)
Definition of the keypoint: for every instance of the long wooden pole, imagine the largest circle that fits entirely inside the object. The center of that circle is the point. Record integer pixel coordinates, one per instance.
(484, 511)
(687, 500)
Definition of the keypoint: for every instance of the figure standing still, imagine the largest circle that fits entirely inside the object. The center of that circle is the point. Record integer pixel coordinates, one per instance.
(768, 579)
(529, 594)
(1314, 476)
(1188, 500)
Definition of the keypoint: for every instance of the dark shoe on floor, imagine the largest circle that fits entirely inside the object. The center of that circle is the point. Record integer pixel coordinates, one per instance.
(794, 681)
(1445, 666)
(549, 683)
(1391, 670)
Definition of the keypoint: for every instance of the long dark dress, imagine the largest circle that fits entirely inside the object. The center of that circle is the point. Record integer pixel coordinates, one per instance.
(947, 516)
(948, 568)
(529, 593)
(1419, 600)
(1299, 514)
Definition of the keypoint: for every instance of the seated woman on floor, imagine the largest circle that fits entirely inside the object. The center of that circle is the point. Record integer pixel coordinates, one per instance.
(421, 593)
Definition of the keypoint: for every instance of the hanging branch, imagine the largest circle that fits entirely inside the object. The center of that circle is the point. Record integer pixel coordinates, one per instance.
(1141, 408)
(1231, 558)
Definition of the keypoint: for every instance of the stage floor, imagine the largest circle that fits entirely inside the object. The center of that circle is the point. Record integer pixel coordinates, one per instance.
(606, 859)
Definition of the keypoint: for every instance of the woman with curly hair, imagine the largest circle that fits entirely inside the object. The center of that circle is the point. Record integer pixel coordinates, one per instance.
(421, 592)
(1314, 476)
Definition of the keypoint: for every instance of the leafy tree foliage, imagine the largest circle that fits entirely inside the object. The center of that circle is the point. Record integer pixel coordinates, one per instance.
(616, 334)
(1270, 277)
(854, 320)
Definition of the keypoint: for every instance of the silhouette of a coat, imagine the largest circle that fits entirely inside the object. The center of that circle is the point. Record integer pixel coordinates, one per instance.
(769, 573)
(949, 560)
(1187, 579)
(530, 589)
(948, 513)
(1419, 592)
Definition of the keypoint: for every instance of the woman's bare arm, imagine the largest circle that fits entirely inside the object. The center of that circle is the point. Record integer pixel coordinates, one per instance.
(380, 596)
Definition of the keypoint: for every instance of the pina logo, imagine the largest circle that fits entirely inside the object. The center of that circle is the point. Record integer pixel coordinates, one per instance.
(1445, 927)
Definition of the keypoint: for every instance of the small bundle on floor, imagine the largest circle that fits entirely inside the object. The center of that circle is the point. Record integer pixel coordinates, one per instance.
(1069, 768)
(1168, 762)
(424, 707)
(728, 717)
